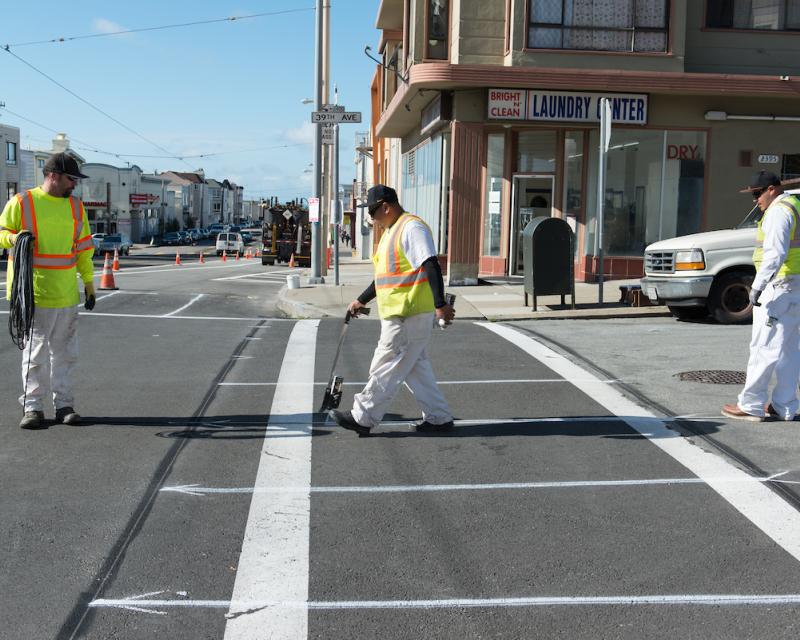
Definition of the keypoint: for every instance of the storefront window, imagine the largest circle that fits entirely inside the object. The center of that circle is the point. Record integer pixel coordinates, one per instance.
(422, 183)
(654, 188)
(573, 174)
(536, 152)
(493, 206)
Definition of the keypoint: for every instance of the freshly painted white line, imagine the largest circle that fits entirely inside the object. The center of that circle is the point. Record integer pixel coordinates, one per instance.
(274, 562)
(756, 501)
(259, 276)
(286, 609)
(197, 490)
(108, 295)
(439, 382)
(154, 317)
(186, 306)
(175, 269)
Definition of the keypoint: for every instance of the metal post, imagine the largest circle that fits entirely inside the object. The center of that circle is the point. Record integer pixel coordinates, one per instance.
(316, 238)
(605, 137)
(336, 214)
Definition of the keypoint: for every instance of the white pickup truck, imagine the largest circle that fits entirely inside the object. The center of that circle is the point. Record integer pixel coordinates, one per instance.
(705, 273)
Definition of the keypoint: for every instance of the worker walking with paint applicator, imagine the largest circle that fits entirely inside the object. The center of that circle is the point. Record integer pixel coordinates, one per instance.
(49, 231)
(410, 291)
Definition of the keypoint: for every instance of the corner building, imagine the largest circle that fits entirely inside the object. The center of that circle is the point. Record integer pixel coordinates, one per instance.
(485, 115)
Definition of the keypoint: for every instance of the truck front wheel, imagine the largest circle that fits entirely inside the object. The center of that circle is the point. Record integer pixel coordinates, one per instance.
(729, 299)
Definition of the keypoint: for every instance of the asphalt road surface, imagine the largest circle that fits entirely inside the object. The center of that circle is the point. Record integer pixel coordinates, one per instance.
(205, 497)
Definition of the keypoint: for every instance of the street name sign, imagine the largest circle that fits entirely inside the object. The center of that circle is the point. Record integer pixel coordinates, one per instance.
(344, 117)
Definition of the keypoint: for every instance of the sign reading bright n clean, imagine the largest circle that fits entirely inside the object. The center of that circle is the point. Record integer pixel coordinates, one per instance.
(539, 105)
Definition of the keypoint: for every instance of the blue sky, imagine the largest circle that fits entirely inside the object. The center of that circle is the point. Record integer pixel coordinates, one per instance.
(233, 88)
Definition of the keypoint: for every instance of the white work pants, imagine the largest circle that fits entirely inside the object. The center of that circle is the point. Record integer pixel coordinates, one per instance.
(774, 348)
(401, 356)
(49, 358)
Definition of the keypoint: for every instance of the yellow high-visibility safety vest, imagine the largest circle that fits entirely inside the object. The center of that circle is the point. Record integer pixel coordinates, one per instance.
(790, 266)
(401, 290)
(62, 235)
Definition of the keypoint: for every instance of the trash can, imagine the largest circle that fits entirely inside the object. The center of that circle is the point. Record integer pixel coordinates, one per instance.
(548, 252)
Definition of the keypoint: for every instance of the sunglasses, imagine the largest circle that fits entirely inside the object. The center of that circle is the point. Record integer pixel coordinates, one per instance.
(74, 179)
(757, 194)
(375, 207)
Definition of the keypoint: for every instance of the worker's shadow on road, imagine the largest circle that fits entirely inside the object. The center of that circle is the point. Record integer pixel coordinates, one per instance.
(612, 427)
(218, 427)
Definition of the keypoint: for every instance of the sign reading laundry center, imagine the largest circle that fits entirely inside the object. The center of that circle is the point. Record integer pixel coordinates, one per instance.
(626, 108)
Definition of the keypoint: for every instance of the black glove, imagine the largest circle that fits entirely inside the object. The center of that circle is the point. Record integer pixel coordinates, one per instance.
(755, 294)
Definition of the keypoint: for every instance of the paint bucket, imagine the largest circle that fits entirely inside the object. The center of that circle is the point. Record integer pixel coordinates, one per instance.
(293, 281)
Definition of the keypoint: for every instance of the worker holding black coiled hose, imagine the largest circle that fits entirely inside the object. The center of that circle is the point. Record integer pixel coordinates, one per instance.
(49, 232)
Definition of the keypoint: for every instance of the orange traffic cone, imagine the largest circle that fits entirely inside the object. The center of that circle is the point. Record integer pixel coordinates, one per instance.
(237, 255)
(224, 256)
(107, 279)
(202, 259)
(177, 257)
(291, 262)
(115, 264)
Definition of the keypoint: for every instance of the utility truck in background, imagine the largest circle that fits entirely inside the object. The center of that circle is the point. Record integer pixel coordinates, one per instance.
(705, 273)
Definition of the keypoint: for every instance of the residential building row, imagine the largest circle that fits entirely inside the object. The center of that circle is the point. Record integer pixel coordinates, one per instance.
(126, 199)
(485, 115)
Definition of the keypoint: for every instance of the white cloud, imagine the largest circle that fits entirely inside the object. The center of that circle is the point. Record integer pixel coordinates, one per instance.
(302, 134)
(102, 25)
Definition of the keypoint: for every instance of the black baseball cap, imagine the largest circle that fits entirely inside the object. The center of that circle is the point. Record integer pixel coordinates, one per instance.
(378, 194)
(63, 163)
(762, 180)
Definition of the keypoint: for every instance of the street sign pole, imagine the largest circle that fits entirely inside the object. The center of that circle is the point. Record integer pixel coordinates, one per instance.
(316, 240)
(605, 138)
(336, 213)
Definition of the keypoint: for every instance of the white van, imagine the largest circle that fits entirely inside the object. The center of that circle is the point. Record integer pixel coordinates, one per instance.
(228, 242)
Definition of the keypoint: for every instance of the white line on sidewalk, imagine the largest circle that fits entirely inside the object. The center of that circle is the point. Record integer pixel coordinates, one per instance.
(757, 502)
(274, 562)
(283, 609)
(439, 382)
(186, 306)
(197, 490)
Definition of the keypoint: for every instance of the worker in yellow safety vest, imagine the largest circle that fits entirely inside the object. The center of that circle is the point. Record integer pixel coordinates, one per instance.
(775, 295)
(409, 288)
(62, 249)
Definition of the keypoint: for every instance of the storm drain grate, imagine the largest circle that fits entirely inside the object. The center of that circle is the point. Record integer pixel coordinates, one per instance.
(713, 376)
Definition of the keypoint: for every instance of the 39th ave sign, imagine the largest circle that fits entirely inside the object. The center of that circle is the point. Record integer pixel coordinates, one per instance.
(334, 117)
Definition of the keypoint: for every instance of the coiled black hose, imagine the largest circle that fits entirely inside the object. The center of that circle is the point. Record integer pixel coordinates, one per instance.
(20, 320)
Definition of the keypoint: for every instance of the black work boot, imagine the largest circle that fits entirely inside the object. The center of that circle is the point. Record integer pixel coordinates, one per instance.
(32, 420)
(345, 419)
(429, 427)
(67, 415)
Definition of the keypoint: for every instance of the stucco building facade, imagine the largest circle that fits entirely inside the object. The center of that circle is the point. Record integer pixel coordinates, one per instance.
(485, 116)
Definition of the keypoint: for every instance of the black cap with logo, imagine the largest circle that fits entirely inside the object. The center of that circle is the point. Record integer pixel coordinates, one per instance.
(379, 194)
(63, 163)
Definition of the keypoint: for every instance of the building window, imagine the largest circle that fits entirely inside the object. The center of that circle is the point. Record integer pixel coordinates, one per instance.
(494, 194)
(438, 26)
(11, 190)
(422, 184)
(654, 188)
(573, 174)
(40, 163)
(11, 153)
(791, 166)
(599, 25)
(769, 15)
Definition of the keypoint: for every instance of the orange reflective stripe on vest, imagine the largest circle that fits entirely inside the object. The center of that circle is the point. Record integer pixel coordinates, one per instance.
(52, 260)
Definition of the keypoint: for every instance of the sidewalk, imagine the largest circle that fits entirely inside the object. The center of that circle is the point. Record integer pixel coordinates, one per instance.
(502, 299)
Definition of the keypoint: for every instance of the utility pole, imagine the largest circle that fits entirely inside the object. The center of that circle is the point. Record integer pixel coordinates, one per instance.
(316, 236)
(336, 216)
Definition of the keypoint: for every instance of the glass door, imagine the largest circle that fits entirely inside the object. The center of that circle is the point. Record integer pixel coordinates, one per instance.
(531, 197)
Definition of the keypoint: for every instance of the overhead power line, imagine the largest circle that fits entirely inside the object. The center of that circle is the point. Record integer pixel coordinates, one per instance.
(86, 146)
(96, 108)
(158, 28)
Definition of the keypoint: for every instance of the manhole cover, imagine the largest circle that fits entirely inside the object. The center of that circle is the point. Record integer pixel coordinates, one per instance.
(713, 376)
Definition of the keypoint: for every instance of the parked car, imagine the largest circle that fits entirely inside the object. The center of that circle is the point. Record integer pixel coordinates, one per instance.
(215, 229)
(97, 238)
(195, 234)
(229, 242)
(120, 242)
(234, 228)
(185, 237)
(247, 237)
(705, 273)
(172, 238)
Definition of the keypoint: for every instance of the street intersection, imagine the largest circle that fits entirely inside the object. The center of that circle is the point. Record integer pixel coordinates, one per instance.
(206, 497)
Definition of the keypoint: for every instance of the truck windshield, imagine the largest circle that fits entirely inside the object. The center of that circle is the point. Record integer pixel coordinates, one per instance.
(751, 219)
